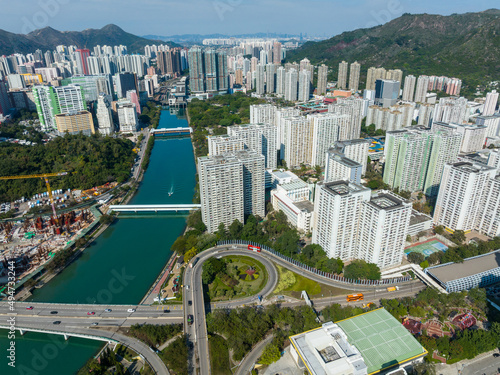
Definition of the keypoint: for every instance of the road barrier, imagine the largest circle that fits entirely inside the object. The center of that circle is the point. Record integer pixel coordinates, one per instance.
(340, 279)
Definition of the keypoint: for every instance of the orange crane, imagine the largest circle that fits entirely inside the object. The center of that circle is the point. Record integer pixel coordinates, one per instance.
(43, 176)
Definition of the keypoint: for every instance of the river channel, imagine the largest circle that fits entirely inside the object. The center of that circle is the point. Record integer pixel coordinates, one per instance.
(134, 249)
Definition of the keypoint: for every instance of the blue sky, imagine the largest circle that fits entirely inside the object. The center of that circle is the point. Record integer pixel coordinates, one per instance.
(168, 17)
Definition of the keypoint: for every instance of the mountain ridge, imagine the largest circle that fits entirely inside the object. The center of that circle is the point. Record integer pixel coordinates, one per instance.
(48, 38)
(463, 45)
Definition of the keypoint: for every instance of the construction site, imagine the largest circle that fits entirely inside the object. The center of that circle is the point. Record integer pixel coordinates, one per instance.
(32, 242)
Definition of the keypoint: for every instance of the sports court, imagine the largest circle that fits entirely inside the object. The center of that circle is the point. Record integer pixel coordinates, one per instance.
(381, 339)
(427, 247)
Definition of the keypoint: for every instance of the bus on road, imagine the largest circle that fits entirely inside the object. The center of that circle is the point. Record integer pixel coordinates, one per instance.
(355, 297)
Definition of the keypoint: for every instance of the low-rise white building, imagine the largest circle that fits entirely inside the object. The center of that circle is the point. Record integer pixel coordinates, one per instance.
(293, 199)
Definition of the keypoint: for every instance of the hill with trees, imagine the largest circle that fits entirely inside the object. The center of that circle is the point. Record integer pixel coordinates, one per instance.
(90, 161)
(463, 45)
(48, 38)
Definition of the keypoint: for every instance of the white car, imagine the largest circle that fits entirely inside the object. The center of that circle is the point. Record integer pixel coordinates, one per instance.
(131, 310)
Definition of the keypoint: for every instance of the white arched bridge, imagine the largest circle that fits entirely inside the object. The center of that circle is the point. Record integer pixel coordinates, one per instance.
(153, 207)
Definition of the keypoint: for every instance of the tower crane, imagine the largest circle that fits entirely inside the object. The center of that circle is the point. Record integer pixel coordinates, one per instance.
(45, 177)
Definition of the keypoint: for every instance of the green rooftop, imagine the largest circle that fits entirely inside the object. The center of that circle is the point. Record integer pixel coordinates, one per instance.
(382, 340)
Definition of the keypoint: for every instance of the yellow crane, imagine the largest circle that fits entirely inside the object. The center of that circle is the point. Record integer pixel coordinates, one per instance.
(45, 177)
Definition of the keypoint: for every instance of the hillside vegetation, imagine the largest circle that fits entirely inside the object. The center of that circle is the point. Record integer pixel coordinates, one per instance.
(91, 161)
(48, 38)
(466, 46)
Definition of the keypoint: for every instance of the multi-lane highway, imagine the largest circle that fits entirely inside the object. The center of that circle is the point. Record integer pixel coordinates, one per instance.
(194, 304)
(79, 317)
(71, 329)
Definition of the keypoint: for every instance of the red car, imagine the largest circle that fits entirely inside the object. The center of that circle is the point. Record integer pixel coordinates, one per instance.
(91, 313)
(29, 308)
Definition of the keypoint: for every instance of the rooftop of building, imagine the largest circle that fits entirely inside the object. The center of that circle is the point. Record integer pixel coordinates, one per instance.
(73, 113)
(325, 351)
(346, 161)
(386, 201)
(472, 167)
(306, 206)
(294, 185)
(418, 217)
(380, 338)
(469, 267)
(344, 187)
(284, 174)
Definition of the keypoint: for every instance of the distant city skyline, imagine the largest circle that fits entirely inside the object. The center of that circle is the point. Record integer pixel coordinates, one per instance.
(315, 18)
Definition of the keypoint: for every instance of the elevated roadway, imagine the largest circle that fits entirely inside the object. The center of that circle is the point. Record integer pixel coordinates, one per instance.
(68, 329)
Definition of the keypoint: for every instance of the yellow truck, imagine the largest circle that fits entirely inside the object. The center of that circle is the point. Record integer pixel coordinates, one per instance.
(392, 288)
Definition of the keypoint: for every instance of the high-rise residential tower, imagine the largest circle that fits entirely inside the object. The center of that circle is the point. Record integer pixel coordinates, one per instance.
(342, 76)
(322, 79)
(409, 88)
(354, 76)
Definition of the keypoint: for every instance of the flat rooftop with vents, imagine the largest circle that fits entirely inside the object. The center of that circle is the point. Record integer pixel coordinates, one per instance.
(478, 271)
(370, 343)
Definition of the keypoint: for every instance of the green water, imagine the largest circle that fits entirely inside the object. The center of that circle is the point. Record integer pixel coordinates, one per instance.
(132, 251)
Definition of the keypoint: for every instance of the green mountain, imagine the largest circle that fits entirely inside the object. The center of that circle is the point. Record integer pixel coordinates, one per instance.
(466, 46)
(48, 38)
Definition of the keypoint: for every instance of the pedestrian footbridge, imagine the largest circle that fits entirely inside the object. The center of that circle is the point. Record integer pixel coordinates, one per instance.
(154, 207)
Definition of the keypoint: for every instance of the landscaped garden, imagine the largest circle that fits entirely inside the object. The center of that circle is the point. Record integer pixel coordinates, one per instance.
(233, 277)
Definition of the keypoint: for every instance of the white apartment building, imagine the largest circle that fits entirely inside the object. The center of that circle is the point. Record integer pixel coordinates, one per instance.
(338, 167)
(253, 164)
(298, 141)
(355, 149)
(384, 224)
(452, 110)
(353, 107)
(469, 198)
(425, 114)
(409, 88)
(281, 114)
(490, 103)
(421, 90)
(293, 199)
(221, 191)
(260, 138)
(127, 117)
(262, 114)
(304, 85)
(223, 144)
(337, 206)
(351, 224)
(473, 136)
(326, 131)
(492, 123)
(291, 85)
(104, 117)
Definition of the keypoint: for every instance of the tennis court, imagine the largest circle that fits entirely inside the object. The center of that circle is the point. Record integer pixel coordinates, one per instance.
(427, 248)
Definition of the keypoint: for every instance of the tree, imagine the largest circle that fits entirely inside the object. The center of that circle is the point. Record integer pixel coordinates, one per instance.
(195, 221)
(415, 258)
(179, 245)
(359, 269)
(439, 229)
(424, 264)
(235, 230)
(106, 219)
(190, 254)
(221, 232)
(435, 258)
(458, 236)
(211, 268)
(270, 354)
